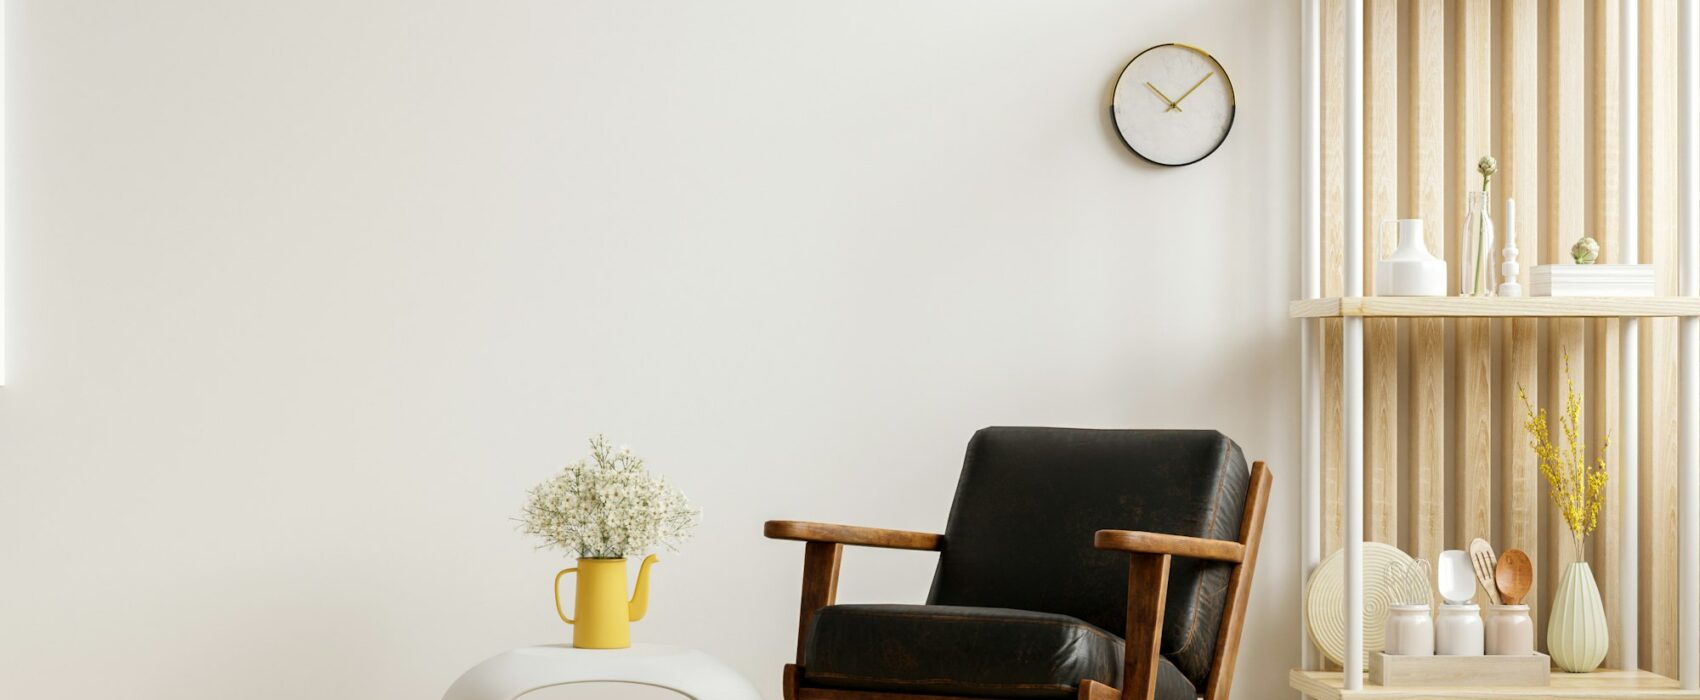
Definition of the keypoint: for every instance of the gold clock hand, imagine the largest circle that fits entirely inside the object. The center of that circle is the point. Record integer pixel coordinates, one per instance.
(1172, 104)
(1194, 87)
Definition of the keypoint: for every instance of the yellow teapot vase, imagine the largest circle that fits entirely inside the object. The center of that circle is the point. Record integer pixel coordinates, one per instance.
(604, 616)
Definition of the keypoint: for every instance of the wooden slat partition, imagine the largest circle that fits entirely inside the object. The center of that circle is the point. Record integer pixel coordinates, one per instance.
(1426, 189)
(1330, 336)
(1602, 367)
(1381, 336)
(1565, 220)
(1658, 344)
(1474, 414)
(1520, 161)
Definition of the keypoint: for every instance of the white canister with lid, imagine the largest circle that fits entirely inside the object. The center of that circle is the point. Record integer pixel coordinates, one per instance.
(1409, 631)
(1510, 632)
(1458, 630)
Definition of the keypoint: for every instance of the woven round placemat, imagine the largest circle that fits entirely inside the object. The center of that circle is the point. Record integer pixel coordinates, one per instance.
(1390, 577)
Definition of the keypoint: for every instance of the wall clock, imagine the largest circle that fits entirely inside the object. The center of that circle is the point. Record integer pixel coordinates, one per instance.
(1173, 104)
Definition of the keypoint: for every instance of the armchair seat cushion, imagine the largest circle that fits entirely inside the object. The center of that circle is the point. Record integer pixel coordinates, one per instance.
(956, 650)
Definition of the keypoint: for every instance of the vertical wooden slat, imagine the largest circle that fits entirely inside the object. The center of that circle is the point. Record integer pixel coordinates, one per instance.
(1602, 370)
(1474, 364)
(1520, 165)
(1566, 216)
(1381, 336)
(1333, 261)
(1658, 343)
(1426, 183)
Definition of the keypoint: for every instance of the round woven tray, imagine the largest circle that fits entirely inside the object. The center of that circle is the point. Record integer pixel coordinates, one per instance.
(1390, 577)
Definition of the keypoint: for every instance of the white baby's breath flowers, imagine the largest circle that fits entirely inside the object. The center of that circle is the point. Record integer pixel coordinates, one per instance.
(608, 507)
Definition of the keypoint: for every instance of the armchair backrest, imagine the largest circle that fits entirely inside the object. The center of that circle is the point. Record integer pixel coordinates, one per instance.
(1029, 500)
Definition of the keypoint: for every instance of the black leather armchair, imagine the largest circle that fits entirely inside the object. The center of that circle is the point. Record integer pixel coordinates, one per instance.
(1090, 563)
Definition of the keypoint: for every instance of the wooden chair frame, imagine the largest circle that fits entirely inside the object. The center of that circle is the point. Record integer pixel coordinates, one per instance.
(1148, 576)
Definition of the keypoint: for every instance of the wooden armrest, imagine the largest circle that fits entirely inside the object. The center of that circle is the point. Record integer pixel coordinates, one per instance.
(1176, 545)
(850, 534)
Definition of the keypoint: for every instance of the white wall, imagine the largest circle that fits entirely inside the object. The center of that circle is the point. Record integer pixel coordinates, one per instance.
(305, 294)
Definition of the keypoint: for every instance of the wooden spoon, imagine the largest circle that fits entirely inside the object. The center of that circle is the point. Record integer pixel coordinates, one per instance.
(1513, 576)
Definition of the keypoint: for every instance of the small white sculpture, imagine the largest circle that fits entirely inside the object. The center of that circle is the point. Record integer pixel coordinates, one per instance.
(1509, 268)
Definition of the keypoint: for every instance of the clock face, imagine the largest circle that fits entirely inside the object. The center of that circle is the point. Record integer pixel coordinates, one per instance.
(1173, 104)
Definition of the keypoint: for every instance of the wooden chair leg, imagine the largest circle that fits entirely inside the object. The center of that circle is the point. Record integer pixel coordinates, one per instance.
(788, 686)
(1147, 590)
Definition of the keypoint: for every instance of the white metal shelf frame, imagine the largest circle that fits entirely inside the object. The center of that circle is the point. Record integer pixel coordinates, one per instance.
(1352, 340)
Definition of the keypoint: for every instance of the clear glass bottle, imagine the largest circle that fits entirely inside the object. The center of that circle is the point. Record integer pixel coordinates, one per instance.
(1476, 274)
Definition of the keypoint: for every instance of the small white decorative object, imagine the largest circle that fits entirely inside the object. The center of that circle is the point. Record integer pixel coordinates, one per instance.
(1410, 271)
(1458, 630)
(1508, 268)
(1510, 632)
(1409, 630)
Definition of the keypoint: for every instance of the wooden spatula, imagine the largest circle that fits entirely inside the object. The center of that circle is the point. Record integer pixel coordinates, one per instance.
(1514, 575)
(1482, 559)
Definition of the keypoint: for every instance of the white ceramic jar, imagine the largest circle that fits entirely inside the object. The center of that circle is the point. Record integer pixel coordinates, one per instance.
(1458, 630)
(1510, 632)
(1409, 632)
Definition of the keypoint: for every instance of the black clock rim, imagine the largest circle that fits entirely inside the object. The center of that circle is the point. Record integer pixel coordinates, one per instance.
(1233, 109)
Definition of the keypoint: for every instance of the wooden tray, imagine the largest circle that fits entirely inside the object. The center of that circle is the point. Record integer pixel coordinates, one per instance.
(1431, 671)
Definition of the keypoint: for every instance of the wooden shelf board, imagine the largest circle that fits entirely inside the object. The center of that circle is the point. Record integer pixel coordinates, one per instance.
(1495, 307)
(1325, 685)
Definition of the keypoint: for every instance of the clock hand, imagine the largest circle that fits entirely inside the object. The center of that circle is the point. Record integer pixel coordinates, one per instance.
(1172, 104)
(1194, 87)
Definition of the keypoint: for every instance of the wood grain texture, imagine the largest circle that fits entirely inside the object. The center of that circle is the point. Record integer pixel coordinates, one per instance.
(1599, 685)
(1520, 179)
(1472, 110)
(1425, 182)
(820, 587)
(1239, 587)
(1093, 690)
(1333, 438)
(1147, 590)
(1495, 307)
(1658, 438)
(1159, 543)
(1524, 491)
(1381, 430)
(1333, 115)
(1381, 203)
(1565, 221)
(1603, 351)
(851, 534)
(1527, 671)
(1381, 127)
(1428, 438)
(1475, 433)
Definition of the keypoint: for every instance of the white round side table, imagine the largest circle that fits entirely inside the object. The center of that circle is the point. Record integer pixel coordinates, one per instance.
(688, 672)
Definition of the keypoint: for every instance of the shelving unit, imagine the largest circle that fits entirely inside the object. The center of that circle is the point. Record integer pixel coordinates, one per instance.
(1494, 307)
(1627, 685)
(1352, 309)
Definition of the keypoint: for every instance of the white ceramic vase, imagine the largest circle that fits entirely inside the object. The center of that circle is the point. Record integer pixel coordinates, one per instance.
(1576, 636)
(1406, 268)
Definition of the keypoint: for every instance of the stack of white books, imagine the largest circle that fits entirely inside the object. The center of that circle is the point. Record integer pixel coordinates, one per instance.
(1591, 281)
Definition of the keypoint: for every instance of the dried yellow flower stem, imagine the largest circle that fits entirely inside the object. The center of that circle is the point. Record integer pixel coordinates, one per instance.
(1577, 487)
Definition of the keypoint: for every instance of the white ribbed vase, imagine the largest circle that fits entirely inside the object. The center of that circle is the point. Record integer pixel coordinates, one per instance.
(1576, 636)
